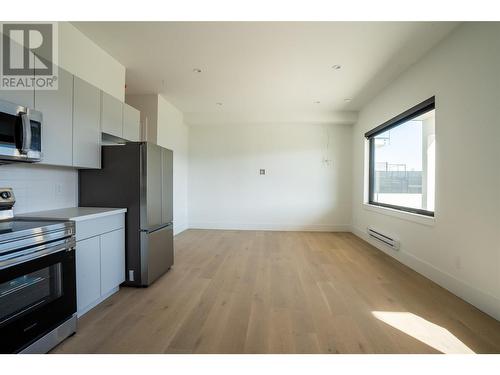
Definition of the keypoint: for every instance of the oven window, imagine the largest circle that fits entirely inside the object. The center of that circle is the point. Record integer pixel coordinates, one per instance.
(25, 293)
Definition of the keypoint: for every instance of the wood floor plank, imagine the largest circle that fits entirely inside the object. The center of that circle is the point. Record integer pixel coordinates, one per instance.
(284, 292)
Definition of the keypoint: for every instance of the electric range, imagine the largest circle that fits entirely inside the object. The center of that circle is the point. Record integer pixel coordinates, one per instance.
(37, 281)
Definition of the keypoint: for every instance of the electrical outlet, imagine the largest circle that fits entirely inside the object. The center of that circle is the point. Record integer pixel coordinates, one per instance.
(262, 171)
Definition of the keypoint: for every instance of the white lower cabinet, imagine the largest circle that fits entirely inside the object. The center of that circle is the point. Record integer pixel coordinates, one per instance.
(112, 260)
(100, 260)
(88, 273)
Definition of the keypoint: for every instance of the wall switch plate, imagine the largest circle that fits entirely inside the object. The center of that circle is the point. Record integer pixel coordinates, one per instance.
(262, 171)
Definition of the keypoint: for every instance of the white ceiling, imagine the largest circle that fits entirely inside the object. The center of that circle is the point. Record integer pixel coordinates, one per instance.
(264, 66)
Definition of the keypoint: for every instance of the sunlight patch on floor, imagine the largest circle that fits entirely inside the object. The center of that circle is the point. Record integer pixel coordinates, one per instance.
(427, 332)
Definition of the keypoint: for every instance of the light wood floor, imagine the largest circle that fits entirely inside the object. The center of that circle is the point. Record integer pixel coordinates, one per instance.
(284, 292)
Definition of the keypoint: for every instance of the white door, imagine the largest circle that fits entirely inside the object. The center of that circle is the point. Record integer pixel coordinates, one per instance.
(86, 125)
(88, 273)
(57, 129)
(112, 260)
(111, 115)
(131, 123)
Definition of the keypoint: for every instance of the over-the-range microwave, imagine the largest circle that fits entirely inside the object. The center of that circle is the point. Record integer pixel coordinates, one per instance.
(20, 133)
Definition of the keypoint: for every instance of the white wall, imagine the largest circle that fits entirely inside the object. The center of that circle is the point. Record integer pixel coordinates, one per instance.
(85, 59)
(39, 187)
(173, 134)
(298, 191)
(461, 250)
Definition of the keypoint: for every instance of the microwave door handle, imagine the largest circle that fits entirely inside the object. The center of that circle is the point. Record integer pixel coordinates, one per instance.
(26, 124)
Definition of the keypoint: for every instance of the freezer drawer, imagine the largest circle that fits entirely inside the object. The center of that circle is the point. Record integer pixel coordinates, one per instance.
(159, 254)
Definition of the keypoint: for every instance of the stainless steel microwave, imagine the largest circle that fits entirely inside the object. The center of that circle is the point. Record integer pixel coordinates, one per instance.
(20, 133)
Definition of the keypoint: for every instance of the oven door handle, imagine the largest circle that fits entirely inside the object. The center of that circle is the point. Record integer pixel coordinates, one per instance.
(32, 253)
(26, 124)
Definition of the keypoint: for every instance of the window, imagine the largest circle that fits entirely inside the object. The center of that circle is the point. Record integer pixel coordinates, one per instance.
(402, 161)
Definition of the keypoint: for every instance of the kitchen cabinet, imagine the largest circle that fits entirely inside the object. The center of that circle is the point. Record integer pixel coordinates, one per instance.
(112, 260)
(25, 98)
(86, 125)
(100, 265)
(74, 118)
(88, 273)
(131, 123)
(57, 129)
(111, 115)
(119, 119)
(100, 259)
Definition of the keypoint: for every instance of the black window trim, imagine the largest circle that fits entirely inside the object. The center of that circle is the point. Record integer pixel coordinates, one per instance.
(419, 109)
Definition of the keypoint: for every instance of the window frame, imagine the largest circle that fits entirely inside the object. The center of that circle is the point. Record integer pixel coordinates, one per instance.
(419, 109)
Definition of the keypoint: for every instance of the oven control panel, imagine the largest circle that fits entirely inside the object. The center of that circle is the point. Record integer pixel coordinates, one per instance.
(7, 198)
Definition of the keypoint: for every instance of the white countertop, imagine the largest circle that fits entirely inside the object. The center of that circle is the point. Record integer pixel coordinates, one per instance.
(75, 213)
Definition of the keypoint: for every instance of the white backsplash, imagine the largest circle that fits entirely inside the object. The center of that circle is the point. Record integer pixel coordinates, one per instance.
(40, 187)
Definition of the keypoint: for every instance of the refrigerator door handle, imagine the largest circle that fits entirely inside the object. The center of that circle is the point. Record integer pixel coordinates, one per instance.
(156, 227)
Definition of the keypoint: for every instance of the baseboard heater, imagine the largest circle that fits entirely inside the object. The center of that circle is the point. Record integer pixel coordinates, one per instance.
(386, 239)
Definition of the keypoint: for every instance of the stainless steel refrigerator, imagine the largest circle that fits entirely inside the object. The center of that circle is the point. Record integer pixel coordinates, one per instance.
(137, 176)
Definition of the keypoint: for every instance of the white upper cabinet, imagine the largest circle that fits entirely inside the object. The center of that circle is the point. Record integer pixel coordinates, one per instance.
(119, 119)
(25, 98)
(74, 118)
(57, 128)
(131, 123)
(111, 115)
(86, 125)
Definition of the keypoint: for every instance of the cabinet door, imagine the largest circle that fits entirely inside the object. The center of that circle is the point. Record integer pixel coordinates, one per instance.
(21, 97)
(57, 128)
(88, 274)
(111, 115)
(131, 123)
(25, 98)
(112, 260)
(86, 125)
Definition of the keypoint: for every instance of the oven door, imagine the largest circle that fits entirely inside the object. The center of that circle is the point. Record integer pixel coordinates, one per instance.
(36, 296)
